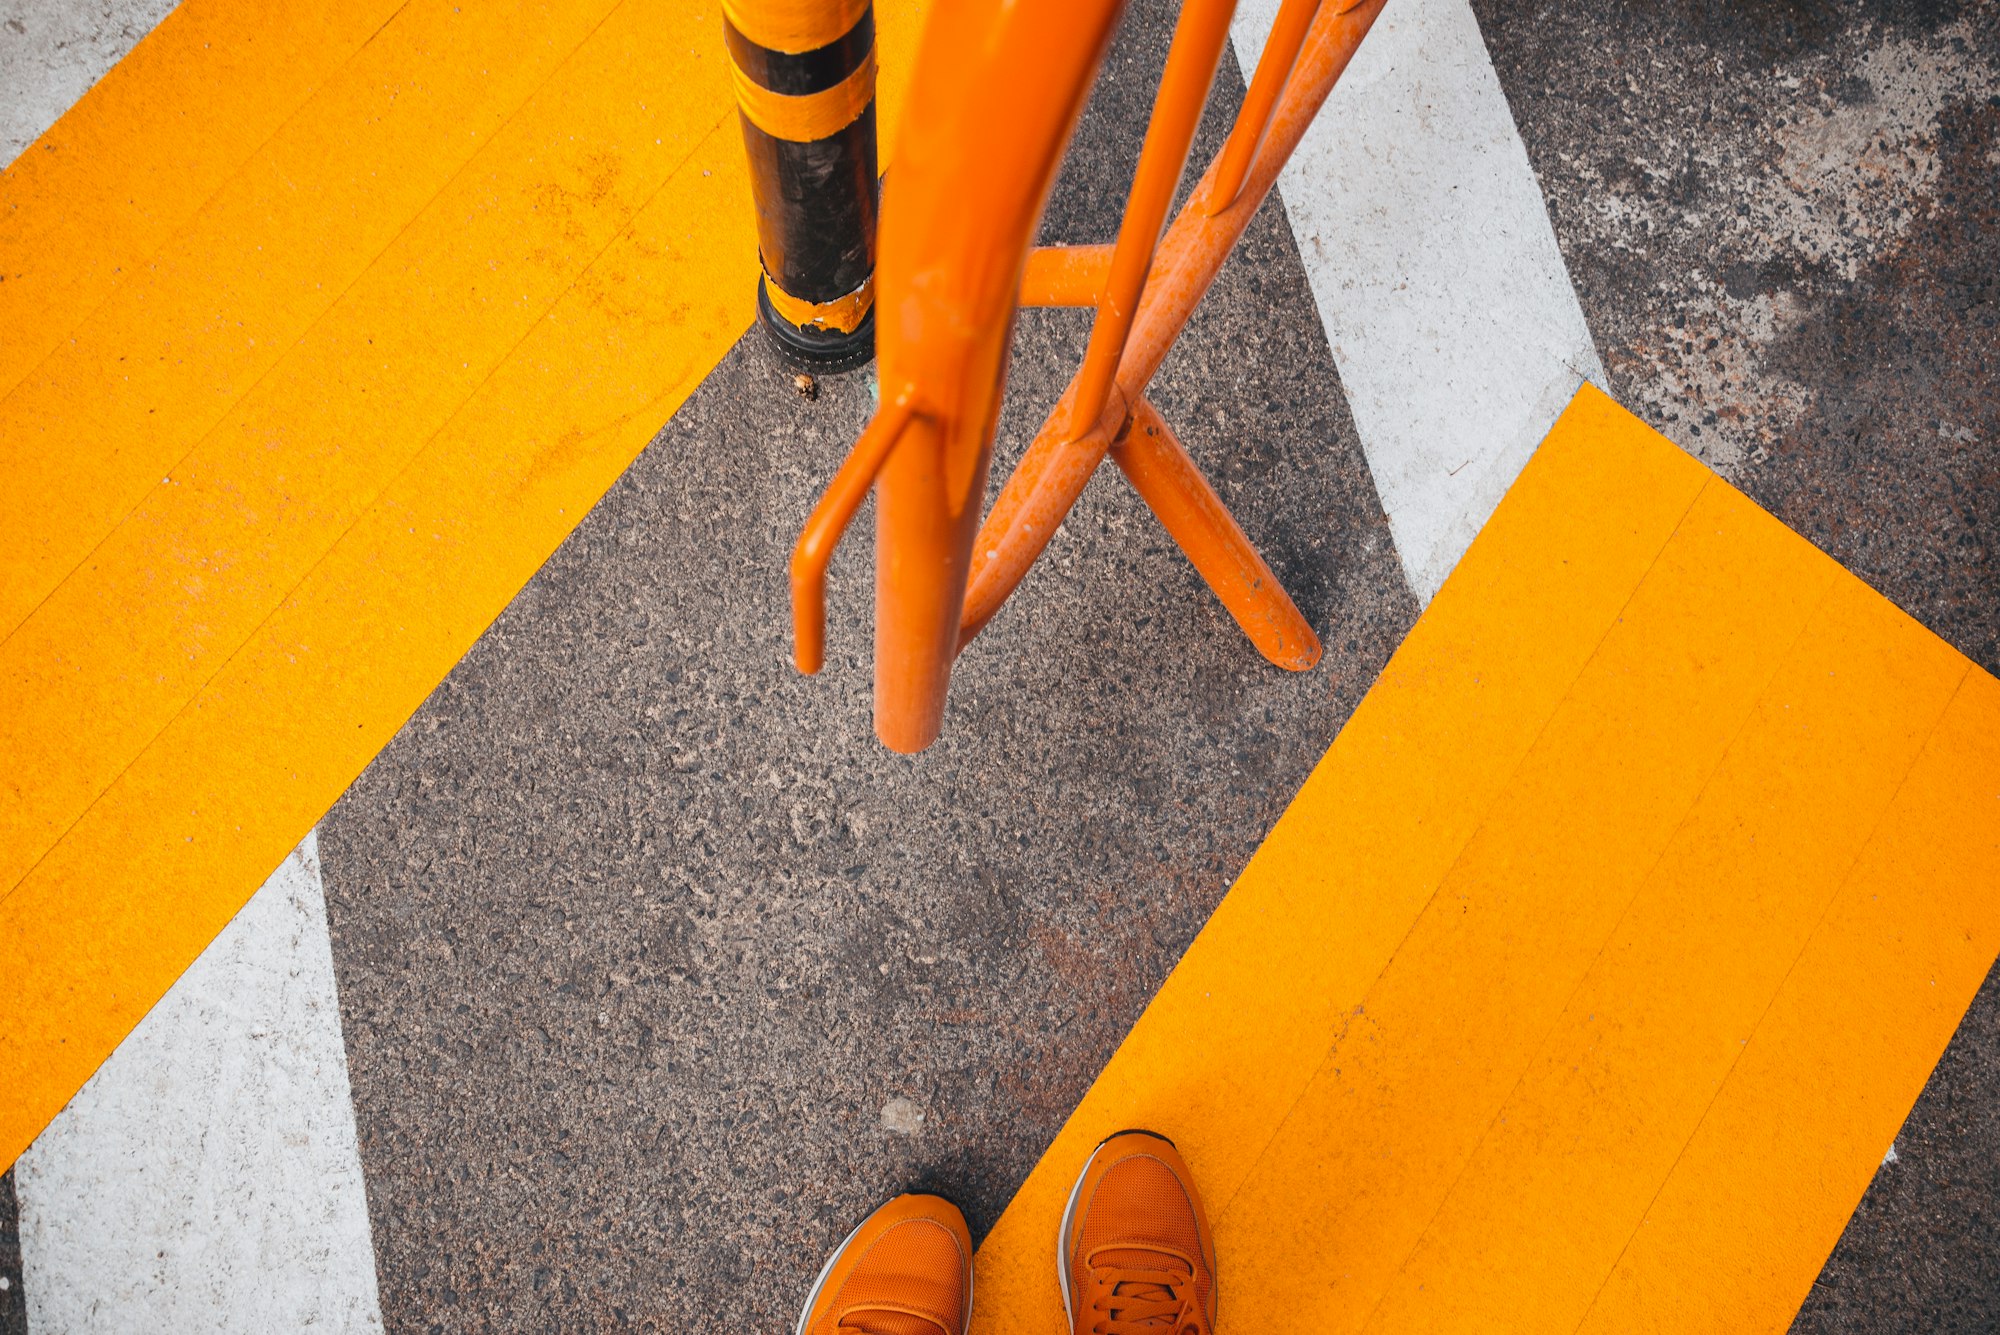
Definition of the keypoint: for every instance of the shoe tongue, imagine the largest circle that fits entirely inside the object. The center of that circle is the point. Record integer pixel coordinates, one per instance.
(1138, 1258)
(891, 1323)
(1141, 1258)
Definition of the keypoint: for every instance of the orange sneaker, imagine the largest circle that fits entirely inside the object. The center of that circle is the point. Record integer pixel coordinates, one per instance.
(906, 1271)
(1134, 1255)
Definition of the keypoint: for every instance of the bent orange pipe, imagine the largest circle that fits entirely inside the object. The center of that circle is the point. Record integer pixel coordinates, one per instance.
(829, 519)
(1158, 466)
(1053, 472)
(1191, 60)
(958, 216)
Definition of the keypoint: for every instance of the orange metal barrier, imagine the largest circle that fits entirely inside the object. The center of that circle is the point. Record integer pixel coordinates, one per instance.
(954, 263)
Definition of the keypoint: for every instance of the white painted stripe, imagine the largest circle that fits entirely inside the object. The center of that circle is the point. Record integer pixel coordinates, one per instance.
(208, 1178)
(52, 51)
(1424, 234)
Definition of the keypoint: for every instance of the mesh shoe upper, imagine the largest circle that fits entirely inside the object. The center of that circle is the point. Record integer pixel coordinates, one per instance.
(1138, 1257)
(906, 1271)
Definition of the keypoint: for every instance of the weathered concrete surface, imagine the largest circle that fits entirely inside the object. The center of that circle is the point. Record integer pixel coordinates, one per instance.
(610, 882)
(1783, 219)
(52, 51)
(658, 973)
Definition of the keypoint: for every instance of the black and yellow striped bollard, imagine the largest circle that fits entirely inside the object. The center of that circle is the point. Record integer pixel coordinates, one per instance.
(804, 72)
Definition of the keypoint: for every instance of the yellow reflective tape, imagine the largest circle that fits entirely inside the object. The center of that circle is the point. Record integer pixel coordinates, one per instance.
(808, 116)
(842, 315)
(793, 26)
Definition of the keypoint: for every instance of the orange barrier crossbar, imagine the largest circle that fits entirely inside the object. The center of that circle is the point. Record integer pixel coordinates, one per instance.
(1065, 275)
(954, 264)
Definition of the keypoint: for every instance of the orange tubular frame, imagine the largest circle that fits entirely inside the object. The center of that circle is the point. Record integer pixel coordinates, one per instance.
(954, 261)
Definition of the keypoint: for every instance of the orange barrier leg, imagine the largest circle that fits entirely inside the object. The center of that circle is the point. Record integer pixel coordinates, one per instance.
(1274, 70)
(1191, 62)
(1158, 467)
(829, 519)
(925, 521)
(1056, 467)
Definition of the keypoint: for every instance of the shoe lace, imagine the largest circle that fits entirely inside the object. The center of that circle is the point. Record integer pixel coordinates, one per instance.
(1136, 1300)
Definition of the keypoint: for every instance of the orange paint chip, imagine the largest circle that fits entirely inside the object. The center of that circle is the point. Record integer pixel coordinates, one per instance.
(1483, 1030)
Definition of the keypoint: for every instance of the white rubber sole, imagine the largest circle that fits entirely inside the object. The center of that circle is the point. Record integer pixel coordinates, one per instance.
(1062, 1235)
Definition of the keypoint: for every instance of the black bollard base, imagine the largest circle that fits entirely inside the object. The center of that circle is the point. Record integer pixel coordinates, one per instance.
(816, 350)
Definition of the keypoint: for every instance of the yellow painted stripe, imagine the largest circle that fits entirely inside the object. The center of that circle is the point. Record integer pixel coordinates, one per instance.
(1420, 1069)
(117, 648)
(1757, 1200)
(1238, 1029)
(1557, 1187)
(281, 722)
(139, 153)
(1460, 1019)
(100, 425)
(155, 867)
